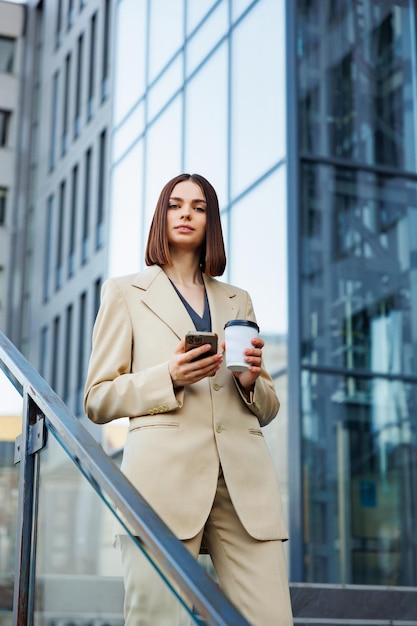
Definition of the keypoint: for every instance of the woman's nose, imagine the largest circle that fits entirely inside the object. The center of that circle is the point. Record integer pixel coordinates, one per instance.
(186, 211)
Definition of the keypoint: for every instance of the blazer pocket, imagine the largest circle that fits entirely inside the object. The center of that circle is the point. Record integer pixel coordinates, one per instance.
(155, 425)
(256, 431)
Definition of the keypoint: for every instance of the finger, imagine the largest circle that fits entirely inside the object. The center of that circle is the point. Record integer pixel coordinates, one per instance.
(208, 363)
(198, 353)
(180, 347)
(257, 342)
(254, 352)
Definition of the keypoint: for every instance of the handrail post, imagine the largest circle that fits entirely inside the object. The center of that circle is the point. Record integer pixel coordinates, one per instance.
(27, 444)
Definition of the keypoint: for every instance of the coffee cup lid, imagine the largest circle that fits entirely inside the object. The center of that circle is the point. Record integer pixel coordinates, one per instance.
(242, 323)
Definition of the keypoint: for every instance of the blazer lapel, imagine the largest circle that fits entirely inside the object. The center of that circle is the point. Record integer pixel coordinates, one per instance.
(223, 302)
(160, 296)
(162, 299)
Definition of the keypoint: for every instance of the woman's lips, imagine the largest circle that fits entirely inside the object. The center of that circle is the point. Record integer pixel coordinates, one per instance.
(184, 229)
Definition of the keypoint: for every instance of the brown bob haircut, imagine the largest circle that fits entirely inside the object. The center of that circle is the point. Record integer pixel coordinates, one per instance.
(213, 256)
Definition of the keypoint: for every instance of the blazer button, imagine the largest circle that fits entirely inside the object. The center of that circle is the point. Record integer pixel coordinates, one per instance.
(216, 387)
(219, 428)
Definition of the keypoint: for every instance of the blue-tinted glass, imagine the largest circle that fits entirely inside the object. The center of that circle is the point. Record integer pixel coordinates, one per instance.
(196, 11)
(207, 37)
(240, 6)
(359, 468)
(129, 131)
(359, 268)
(125, 229)
(206, 123)
(163, 157)
(165, 88)
(165, 35)
(130, 61)
(356, 73)
(257, 97)
(257, 251)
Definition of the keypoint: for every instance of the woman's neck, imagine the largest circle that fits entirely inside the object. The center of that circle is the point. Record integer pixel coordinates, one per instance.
(184, 273)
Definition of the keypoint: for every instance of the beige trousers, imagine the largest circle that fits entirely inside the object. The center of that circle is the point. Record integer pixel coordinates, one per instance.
(251, 573)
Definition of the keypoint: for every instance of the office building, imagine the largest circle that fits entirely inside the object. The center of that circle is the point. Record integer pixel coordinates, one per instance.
(352, 255)
(11, 50)
(303, 116)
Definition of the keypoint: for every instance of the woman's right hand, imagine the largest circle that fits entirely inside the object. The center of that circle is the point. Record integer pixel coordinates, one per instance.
(185, 370)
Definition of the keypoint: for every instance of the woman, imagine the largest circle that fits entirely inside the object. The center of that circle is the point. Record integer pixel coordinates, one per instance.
(195, 448)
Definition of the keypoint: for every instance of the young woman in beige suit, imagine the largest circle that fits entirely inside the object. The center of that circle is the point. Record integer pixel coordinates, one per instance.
(195, 448)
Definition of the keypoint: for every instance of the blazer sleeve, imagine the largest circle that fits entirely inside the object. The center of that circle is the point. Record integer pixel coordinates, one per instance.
(112, 390)
(262, 400)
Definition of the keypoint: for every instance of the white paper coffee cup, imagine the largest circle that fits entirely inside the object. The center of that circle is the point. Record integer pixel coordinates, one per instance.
(238, 337)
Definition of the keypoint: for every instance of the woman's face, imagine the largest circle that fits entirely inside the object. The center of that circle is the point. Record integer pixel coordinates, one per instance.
(186, 216)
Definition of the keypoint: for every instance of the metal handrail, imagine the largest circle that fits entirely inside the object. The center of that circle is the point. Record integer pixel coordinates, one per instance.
(42, 404)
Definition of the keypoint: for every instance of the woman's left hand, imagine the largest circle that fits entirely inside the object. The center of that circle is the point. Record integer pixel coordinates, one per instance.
(253, 357)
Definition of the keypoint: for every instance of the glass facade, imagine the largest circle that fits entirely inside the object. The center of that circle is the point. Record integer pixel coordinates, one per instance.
(356, 97)
(209, 100)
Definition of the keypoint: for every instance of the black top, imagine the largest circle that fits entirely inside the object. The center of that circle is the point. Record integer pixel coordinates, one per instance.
(202, 324)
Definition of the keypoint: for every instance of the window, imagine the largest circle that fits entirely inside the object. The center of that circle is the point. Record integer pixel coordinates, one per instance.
(73, 220)
(78, 86)
(58, 31)
(343, 65)
(60, 237)
(64, 139)
(54, 119)
(101, 190)
(67, 354)
(55, 352)
(87, 193)
(91, 73)
(43, 351)
(106, 51)
(3, 204)
(81, 350)
(48, 242)
(4, 127)
(364, 224)
(97, 296)
(7, 52)
(70, 14)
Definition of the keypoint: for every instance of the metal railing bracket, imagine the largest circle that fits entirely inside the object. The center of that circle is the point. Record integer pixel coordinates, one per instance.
(36, 440)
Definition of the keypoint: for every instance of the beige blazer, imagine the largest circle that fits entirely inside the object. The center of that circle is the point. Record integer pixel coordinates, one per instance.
(178, 437)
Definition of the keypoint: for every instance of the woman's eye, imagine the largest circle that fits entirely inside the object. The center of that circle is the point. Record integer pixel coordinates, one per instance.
(201, 209)
(173, 206)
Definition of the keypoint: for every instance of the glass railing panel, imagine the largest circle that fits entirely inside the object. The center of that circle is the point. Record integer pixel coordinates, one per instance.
(68, 492)
(79, 576)
(10, 427)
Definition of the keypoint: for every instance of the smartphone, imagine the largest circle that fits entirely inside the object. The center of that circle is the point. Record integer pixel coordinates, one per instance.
(196, 339)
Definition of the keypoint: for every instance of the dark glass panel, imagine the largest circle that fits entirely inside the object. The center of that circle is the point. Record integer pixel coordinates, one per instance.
(359, 269)
(356, 61)
(360, 485)
(7, 54)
